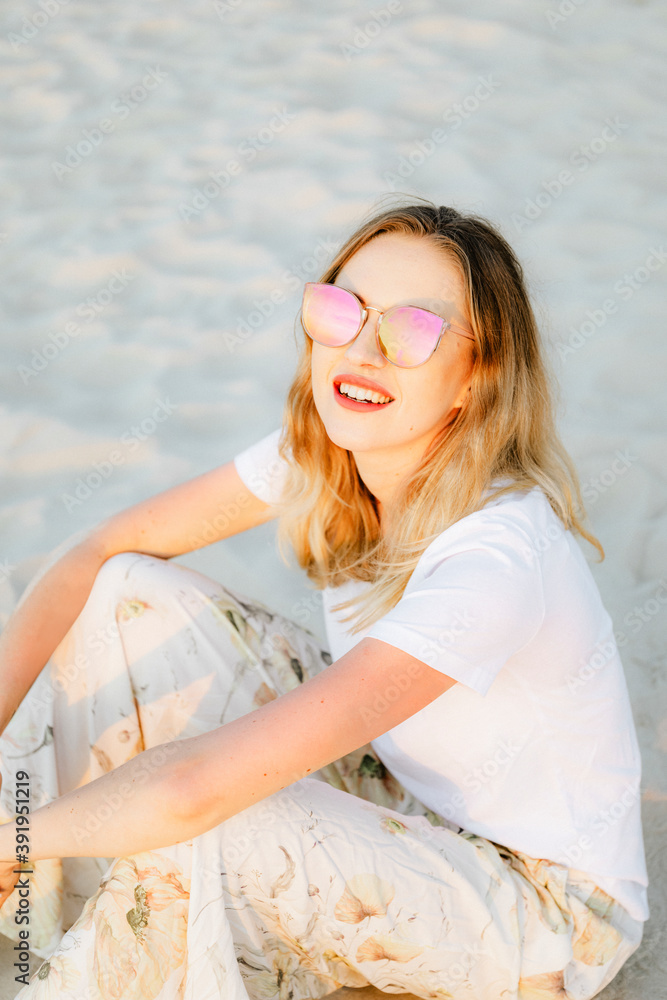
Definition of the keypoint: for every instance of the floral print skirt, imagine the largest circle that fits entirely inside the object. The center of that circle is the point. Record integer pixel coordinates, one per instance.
(341, 879)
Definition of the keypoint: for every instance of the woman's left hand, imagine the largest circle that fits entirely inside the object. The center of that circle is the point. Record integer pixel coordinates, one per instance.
(8, 879)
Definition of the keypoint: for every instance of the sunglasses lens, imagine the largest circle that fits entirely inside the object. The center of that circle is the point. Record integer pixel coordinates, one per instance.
(409, 335)
(330, 315)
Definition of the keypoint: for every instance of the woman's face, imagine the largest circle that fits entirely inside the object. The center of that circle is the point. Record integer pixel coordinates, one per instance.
(396, 269)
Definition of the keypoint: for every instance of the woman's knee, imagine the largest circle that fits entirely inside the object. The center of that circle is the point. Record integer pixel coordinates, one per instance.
(113, 581)
(115, 573)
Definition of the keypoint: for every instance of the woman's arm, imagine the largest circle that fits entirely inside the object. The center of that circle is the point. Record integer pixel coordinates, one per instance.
(171, 793)
(195, 513)
(47, 609)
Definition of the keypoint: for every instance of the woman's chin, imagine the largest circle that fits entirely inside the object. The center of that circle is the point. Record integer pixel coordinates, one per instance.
(357, 440)
(351, 429)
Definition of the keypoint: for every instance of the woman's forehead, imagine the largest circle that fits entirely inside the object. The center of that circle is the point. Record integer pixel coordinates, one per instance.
(396, 268)
(403, 256)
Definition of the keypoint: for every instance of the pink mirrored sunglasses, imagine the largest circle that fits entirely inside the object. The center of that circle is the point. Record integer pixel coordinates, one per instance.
(407, 336)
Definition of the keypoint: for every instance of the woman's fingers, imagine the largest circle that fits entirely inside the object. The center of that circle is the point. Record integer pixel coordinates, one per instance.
(8, 879)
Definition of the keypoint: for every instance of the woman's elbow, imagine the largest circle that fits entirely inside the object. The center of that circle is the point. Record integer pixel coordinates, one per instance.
(184, 789)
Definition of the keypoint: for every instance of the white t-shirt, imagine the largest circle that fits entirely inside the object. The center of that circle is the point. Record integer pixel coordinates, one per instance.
(535, 748)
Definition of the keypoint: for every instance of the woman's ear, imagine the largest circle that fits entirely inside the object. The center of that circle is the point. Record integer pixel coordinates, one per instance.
(462, 398)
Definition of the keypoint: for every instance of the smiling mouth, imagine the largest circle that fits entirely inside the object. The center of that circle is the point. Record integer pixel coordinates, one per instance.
(360, 395)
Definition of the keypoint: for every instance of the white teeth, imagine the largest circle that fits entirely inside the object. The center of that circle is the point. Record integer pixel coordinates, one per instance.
(356, 392)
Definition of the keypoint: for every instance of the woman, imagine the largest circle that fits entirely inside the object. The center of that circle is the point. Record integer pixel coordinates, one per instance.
(489, 842)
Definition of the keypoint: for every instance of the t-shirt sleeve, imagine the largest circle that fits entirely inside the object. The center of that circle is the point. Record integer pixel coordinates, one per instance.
(474, 600)
(262, 468)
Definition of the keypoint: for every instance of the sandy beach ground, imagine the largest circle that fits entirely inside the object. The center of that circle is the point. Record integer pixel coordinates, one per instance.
(171, 174)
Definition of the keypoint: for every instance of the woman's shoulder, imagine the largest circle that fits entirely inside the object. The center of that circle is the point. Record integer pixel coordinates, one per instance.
(508, 535)
(518, 512)
(262, 468)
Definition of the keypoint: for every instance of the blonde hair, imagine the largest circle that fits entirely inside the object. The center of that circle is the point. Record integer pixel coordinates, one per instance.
(506, 429)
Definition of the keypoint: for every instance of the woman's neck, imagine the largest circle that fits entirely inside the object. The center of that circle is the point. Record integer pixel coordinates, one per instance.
(382, 484)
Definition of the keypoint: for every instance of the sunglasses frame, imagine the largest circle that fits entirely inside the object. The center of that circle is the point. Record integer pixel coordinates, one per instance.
(446, 325)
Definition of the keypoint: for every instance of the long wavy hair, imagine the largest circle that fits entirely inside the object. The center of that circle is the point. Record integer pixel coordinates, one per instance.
(504, 431)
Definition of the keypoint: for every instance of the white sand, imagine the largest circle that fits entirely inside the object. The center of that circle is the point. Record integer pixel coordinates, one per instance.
(329, 122)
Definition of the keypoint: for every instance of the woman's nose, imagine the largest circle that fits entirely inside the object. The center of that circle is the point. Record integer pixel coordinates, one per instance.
(364, 348)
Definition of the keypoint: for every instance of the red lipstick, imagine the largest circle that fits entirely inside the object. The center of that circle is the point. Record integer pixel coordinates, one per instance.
(363, 383)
